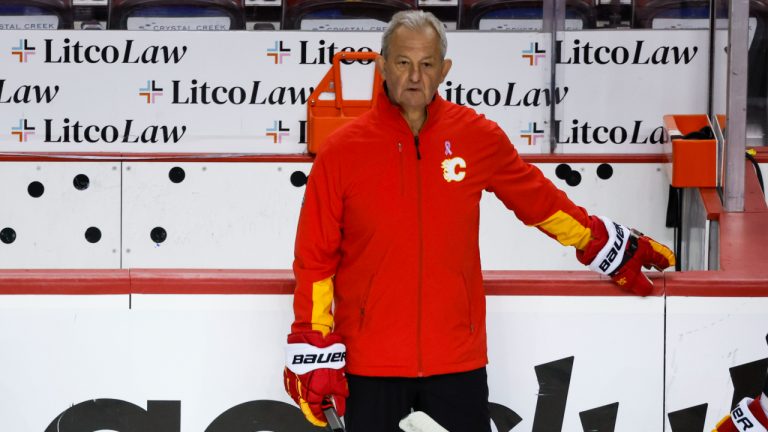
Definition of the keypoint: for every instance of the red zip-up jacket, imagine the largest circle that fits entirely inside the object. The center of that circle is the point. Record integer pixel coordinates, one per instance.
(387, 252)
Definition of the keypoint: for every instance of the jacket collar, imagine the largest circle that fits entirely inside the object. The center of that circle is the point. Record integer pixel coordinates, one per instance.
(390, 111)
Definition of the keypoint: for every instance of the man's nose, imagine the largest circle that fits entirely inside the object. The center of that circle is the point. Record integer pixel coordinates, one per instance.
(414, 74)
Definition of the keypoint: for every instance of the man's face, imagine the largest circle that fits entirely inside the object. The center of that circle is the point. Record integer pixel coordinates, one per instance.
(413, 67)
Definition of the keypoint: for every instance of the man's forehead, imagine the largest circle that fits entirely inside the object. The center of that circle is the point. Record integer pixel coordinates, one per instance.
(403, 38)
(405, 32)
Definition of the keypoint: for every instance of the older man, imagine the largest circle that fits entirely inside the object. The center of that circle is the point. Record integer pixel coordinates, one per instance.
(387, 262)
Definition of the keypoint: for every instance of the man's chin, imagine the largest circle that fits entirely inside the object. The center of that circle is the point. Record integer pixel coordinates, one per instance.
(413, 103)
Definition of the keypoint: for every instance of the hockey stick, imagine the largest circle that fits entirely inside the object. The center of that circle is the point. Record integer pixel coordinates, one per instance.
(418, 421)
(334, 422)
(414, 422)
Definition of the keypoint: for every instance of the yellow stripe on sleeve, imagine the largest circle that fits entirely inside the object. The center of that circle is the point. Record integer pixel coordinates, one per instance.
(567, 230)
(322, 299)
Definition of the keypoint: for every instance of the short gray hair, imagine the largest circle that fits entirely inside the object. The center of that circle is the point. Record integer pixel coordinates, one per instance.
(414, 20)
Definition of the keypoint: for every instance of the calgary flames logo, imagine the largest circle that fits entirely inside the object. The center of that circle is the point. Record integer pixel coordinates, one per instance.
(454, 169)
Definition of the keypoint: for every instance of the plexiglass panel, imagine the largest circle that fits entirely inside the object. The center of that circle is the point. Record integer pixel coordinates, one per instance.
(177, 15)
(341, 15)
(35, 14)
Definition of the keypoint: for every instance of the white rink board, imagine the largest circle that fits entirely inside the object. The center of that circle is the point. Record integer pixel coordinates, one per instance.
(59, 350)
(706, 336)
(230, 215)
(244, 215)
(209, 352)
(214, 352)
(50, 229)
(617, 347)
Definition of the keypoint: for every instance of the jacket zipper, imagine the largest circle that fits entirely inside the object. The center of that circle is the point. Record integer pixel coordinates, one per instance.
(402, 173)
(420, 371)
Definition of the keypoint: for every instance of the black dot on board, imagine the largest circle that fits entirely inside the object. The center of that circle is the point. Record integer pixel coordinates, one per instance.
(574, 178)
(177, 174)
(604, 171)
(35, 189)
(158, 234)
(7, 235)
(81, 182)
(298, 178)
(93, 235)
(562, 171)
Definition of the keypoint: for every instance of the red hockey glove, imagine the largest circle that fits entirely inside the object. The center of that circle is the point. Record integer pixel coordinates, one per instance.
(748, 415)
(314, 374)
(621, 254)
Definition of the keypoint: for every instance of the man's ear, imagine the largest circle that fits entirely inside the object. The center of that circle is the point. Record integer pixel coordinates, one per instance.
(380, 65)
(447, 63)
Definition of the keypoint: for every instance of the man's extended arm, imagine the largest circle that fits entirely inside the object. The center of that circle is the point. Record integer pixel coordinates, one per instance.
(315, 356)
(606, 247)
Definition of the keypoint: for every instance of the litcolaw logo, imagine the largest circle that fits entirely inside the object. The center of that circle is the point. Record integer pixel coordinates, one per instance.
(278, 52)
(69, 131)
(151, 91)
(277, 132)
(509, 96)
(532, 134)
(26, 93)
(580, 53)
(73, 51)
(534, 53)
(23, 130)
(205, 93)
(323, 53)
(24, 50)
(586, 133)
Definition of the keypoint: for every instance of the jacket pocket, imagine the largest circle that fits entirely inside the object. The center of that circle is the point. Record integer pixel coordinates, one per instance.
(364, 300)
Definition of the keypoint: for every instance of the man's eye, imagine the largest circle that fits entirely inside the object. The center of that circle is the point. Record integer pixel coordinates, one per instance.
(427, 65)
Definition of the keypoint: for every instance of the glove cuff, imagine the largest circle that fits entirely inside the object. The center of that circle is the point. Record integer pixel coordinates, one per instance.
(301, 358)
(749, 420)
(612, 255)
(764, 402)
(765, 386)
